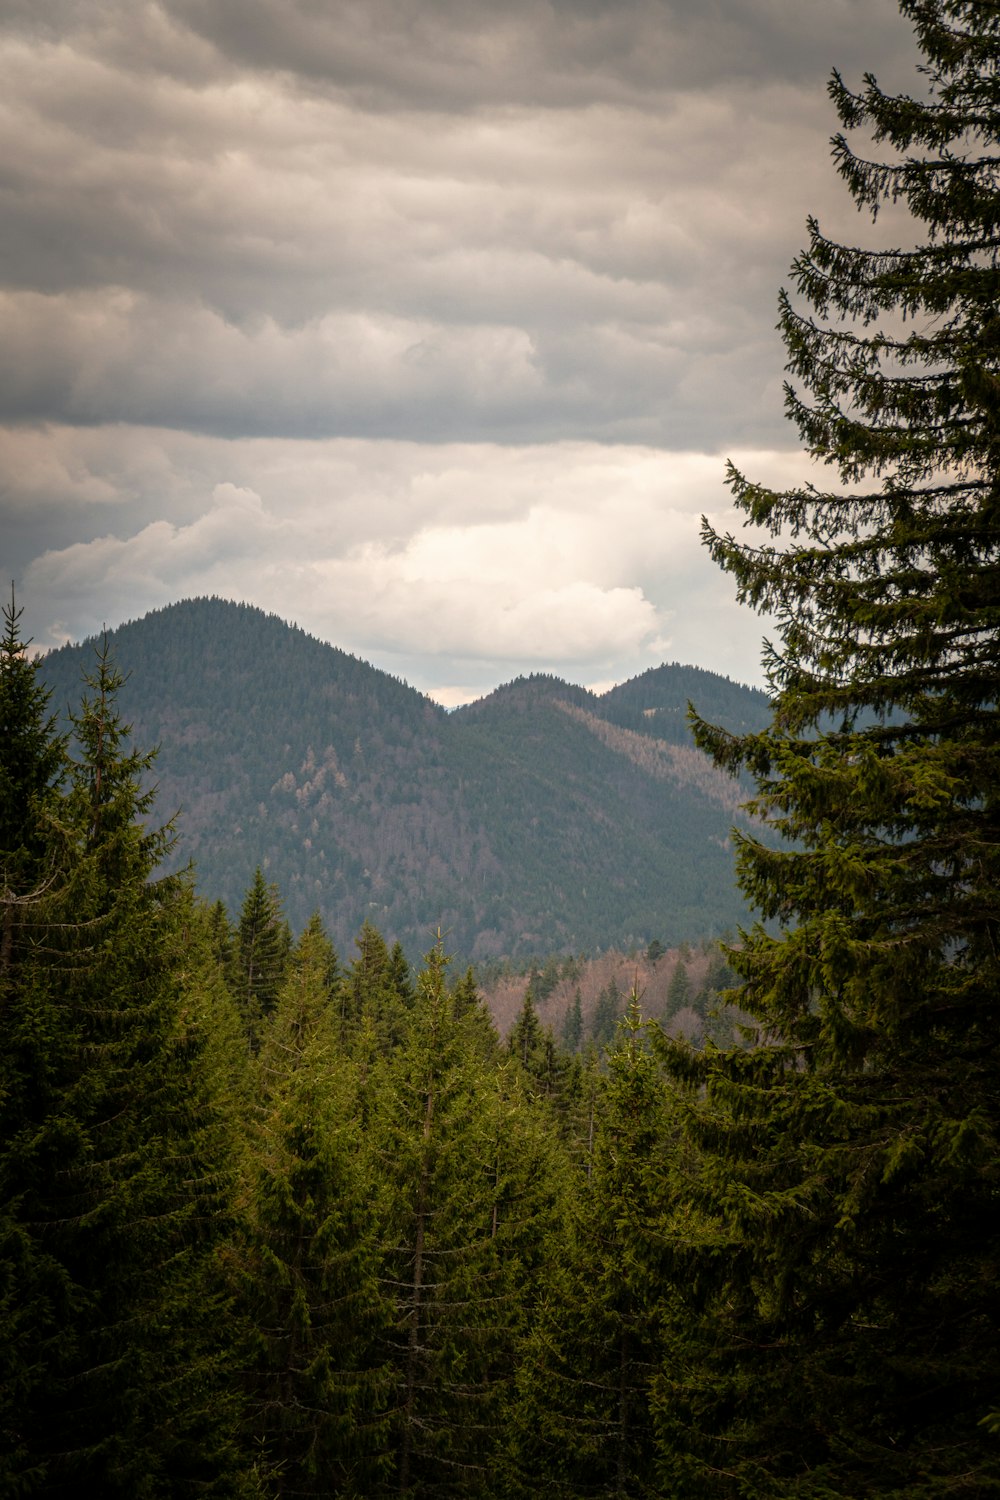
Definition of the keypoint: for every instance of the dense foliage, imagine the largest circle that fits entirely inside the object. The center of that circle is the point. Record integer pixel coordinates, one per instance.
(272, 1224)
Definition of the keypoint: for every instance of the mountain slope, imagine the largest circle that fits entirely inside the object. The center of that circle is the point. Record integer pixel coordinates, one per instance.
(540, 817)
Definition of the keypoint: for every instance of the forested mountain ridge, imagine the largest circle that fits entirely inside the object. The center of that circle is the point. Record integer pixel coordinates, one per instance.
(541, 817)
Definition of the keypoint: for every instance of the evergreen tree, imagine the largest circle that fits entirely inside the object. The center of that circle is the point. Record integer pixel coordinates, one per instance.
(203, 970)
(572, 969)
(378, 993)
(679, 990)
(315, 955)
(114, 1158)
(443, 1263)
(399, 975)
(306, 1262)
(719, 976)
(572, 1033)
(222, 936)
(32, 767)
(607, 1013)
(546, 980)
(34, 1290)
(263, 941)
(526, 1035)
(583, 1093)
(844, 1172)
(469, 1008)
(534, 1048)
(370, 971)
(581, 1422)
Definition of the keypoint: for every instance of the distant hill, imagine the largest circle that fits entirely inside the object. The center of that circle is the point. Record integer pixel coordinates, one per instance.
(542, 817)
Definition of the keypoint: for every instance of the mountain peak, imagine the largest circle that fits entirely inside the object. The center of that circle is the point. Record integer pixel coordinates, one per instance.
(516, 824)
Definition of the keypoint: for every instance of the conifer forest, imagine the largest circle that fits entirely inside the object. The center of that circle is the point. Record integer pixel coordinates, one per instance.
(282, 1220)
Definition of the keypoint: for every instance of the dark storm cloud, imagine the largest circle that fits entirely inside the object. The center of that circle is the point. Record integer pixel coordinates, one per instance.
(239, 260)
(474, 52)
(467, 55)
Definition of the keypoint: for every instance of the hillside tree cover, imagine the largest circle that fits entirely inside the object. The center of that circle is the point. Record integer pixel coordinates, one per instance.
(839, 1337)
(363, 799)
(287, 1261)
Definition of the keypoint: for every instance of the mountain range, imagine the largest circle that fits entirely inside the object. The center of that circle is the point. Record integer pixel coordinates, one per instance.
(540, 818)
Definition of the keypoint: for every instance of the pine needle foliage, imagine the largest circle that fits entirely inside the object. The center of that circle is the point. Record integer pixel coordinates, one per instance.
(260, 959)
(113, 1147)
(581, 1425)
(463, 1166)
(836, 1235)
(305, 1254)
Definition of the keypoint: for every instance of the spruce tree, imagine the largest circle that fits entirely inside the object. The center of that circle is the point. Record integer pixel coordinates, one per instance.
(842, 1182)
(113, 1161)
(580, 1424)
(377, 994)
(607, 1013)
(470, 1009)
(399, 975)
(679, 990)
(32, 767)
(222, 936)
(445, 1195)
(572, 1031)
(34, 1289)
(534, 1049)
(305, 1253)
(260, 958)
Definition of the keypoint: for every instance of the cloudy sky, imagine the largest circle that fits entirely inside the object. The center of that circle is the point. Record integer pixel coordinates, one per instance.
(427, 324)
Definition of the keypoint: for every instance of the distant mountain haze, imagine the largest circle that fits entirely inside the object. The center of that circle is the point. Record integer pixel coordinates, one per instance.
(540, 818)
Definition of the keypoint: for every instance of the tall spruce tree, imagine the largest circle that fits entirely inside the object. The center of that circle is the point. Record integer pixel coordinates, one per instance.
(32, 766)
(34, 1289)
(260, 958)
(572, 1030)
(112, 1158)
(305, 1252)
(843, 1177)
(377, 994)
(449, 1216)
(679, 990)
(607, 1013)
(580, 1424)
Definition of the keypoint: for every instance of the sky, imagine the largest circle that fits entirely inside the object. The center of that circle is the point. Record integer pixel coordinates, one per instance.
(426, 325)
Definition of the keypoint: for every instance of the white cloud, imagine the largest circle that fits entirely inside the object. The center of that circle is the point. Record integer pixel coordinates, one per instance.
(576, 558)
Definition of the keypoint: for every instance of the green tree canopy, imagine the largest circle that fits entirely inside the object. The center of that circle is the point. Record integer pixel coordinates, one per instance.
(581, 1422)
(305, 1255)
(113, 1147)
(260, 959)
